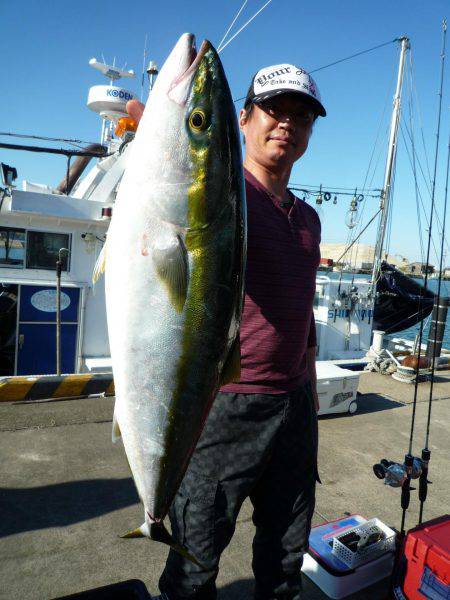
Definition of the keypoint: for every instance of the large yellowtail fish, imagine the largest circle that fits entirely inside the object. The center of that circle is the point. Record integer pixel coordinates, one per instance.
(174, 262)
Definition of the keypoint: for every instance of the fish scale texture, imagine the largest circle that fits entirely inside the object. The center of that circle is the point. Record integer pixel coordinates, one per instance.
(174, 269)
(276, 466)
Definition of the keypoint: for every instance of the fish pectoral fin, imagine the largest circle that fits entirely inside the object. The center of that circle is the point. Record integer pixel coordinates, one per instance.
(231, 371)
(99, 268)
(171, 264)
(116, 434)
(159, 533)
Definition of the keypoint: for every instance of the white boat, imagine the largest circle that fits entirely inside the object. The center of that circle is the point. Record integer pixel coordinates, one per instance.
(37, 221)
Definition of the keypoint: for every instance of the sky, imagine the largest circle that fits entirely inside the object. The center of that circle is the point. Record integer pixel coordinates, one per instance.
(46, 46)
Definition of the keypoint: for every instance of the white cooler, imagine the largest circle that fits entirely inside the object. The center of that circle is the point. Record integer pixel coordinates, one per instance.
(336, 387)
(334, 577)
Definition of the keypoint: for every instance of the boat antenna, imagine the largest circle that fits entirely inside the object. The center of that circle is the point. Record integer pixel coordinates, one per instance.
(409, 458)
(144, 62)
(386, 192)
(96, 98)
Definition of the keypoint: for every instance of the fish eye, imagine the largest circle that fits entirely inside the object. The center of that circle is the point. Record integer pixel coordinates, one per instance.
(197, 120)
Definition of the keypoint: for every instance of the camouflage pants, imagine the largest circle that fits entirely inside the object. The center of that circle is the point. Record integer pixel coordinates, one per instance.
(261, 446)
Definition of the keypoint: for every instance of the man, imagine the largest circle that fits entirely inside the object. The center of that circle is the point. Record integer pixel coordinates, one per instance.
(260, 439)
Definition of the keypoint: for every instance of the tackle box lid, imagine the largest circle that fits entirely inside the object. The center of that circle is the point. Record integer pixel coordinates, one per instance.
(427, 554)
(433, 534)
(321, 543)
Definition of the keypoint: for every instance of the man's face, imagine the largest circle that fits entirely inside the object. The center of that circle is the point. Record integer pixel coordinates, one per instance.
(278, 130)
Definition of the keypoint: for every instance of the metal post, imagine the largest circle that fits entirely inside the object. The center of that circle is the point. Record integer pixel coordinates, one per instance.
(68, 175)
(437, 327)
(103, 134)
(152, 72)
(58, 308)
(390, 162)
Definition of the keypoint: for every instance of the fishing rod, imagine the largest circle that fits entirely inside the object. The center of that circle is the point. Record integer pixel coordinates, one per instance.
(426, 454)
(232, 23)
(395, 474)
(243, 27)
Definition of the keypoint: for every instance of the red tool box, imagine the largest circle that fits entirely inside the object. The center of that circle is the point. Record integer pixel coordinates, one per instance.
(424, 568)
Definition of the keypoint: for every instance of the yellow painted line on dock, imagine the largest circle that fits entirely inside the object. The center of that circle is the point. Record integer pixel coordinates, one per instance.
(43, 387)
(72, 385)
(15, 388)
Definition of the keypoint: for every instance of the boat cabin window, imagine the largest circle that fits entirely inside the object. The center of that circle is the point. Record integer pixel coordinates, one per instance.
(43, 248)
(12, 247)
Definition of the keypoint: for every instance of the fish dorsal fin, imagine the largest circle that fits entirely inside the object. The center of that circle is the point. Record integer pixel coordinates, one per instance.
(171, 264)
(99, 268)
(231, 371)
(115, 429)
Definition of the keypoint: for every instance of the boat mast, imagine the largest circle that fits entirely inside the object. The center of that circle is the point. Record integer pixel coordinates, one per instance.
(386, 192)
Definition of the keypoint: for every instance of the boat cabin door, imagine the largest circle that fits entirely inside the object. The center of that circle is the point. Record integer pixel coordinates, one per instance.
(8, 327)
(33, 332)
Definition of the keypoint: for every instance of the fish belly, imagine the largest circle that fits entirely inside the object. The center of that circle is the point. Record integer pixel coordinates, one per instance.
(166, 363)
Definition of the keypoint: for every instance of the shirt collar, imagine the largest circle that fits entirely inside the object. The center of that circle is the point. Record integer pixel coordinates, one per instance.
(258, 185)
(255, 182)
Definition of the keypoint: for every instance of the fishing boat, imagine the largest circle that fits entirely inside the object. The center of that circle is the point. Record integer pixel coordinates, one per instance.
(353, 316)
(41, 225)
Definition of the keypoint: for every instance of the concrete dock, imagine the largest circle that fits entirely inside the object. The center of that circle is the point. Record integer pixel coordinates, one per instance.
(66, 493)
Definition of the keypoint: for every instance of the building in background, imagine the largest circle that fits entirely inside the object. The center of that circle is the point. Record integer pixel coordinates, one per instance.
(417, 269)
(359, 258)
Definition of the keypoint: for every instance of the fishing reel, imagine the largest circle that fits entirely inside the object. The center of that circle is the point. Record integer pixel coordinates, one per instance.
(395, 474)
(354, 296)
(342, 300)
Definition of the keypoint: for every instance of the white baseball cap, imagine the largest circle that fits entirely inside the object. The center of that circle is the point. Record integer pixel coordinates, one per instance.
(283, 79)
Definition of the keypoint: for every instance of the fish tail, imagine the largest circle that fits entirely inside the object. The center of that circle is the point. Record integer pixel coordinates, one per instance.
(135, 533)
(158, 533)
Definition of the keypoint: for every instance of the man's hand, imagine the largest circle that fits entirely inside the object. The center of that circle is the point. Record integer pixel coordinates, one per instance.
(135, 109)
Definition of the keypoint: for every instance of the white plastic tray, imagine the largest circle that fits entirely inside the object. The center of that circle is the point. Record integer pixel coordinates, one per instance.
(364, 555)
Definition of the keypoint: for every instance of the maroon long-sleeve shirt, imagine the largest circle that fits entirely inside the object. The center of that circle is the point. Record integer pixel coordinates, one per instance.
(277, 326)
